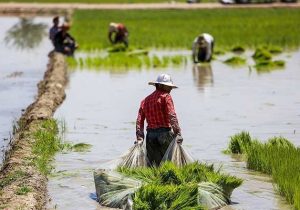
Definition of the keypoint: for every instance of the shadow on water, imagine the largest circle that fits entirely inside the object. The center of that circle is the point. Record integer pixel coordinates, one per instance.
(25, 34)
(203, 75)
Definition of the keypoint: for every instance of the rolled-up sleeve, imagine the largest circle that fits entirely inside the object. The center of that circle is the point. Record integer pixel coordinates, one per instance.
(172, 115)
(140, 122)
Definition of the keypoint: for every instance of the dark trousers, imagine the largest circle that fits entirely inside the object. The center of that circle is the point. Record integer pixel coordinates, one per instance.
(157, 142)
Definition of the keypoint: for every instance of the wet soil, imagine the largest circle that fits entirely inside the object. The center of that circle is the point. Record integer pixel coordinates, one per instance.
(19, 158)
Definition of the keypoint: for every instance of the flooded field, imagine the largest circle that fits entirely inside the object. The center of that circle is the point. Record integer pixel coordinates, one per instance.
(24, 46)
(212, 102)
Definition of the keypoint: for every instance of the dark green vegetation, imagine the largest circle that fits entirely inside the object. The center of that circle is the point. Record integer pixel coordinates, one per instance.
(249, 28)
(170, 187)
(277, 157)
(46, 144)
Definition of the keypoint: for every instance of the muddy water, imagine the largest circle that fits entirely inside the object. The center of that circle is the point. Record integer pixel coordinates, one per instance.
(212, 102)
(22, 62)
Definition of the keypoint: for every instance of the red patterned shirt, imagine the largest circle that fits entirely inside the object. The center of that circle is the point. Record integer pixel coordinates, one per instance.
(159, 112)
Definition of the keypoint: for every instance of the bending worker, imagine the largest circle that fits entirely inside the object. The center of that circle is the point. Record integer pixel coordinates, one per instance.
(203, 46)
(118, 33)
(159, 112)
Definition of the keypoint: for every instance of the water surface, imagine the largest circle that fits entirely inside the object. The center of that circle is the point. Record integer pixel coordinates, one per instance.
(24, 46)
(212, 102)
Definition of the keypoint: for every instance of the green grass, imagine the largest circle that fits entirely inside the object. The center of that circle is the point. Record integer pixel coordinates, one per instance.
(168, 186)
(277, 157)
(46, 144)
(17, 175)
(23, 190)
(249, 28)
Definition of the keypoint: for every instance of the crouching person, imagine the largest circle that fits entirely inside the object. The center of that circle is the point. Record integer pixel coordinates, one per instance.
(64, 42)
(202, 49)
(118, 33)
(162, 123)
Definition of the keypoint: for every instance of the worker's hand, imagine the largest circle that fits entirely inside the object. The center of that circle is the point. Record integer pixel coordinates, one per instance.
(179, 139)
(139, 140)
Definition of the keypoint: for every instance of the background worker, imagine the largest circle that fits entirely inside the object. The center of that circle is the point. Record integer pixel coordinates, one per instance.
(64, 42)
(54, 29)
(202, 48)
(118, 33)
(159, 112)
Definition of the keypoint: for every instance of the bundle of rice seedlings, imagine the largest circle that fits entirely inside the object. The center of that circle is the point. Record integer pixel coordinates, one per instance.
(239, 143)
(172, 187)
(262, 54)
(236, 61)
(280, 142)
(238, 49)
(267, 65)
(166, 197)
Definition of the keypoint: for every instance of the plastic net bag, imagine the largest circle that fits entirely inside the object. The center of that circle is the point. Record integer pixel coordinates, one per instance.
(211, 195)
(176, 154)
(114, 190)
(135, 157)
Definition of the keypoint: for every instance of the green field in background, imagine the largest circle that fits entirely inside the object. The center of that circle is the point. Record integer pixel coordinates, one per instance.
(177, 28)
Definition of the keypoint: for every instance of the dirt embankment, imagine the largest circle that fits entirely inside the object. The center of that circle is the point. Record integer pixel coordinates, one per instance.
(18, 168)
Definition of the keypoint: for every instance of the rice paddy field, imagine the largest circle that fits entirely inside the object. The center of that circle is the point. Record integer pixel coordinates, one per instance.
(248, 28)
(252, 86)
(103, 1)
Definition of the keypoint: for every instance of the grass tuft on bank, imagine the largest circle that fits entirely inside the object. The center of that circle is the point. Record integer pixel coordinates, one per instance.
(250, 28)
(277, 157)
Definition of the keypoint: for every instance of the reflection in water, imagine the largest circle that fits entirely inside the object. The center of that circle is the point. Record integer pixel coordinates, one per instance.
(203, 75)
(26, 34)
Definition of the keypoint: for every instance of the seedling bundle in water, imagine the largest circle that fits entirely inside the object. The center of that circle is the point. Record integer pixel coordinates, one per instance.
(193, 186)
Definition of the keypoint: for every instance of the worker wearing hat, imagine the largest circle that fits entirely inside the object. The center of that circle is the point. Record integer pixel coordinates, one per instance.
(162, 123)
(118, 33)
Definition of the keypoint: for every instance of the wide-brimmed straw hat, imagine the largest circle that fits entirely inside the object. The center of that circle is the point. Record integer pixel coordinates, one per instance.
(164, 79)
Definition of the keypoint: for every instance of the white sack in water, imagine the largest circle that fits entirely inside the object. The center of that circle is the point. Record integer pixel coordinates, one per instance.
(211, 195)
(114, 190)
(135, 157)
(176, 154)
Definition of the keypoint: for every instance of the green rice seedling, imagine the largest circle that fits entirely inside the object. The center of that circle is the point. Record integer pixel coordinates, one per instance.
(275, 49)
(239, 143)
(279, 158)
(266, 66)
(166, 197)
(81, 147)
(238, 49)
(235, 61)
(232, 32)
(279, 142)
(23, 190)
(262, 54)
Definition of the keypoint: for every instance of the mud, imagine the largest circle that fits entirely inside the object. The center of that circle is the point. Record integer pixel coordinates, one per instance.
(18, 158)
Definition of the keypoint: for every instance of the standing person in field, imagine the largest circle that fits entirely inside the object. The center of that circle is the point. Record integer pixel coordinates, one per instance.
(54, 29)
(159, 112)
(64, 42)
(202, 48)
(118, 33)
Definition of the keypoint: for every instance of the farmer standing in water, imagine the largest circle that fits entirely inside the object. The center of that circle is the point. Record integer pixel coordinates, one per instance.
(159, 112)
